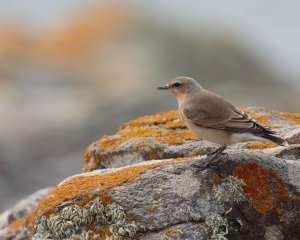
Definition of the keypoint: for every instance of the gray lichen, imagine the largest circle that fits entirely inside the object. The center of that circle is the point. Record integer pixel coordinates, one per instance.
(218, 226)
(85, 235)
(120, 230)
(71, 222)
(229, 191)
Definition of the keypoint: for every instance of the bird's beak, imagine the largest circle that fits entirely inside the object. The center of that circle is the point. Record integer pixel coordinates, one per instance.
(166, 87)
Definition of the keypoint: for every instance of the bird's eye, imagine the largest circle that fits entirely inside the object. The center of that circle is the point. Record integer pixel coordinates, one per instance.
(177, 84)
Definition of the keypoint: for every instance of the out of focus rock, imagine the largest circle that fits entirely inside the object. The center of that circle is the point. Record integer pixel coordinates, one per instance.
(22, 208)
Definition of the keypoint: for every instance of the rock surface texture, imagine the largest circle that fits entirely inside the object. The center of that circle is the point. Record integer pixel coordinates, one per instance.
(149, 181)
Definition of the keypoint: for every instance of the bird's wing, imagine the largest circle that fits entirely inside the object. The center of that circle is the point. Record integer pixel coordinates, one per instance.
(217, 113)
(241, 122)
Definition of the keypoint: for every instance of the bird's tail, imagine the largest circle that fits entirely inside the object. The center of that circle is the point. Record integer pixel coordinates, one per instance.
(275, 139)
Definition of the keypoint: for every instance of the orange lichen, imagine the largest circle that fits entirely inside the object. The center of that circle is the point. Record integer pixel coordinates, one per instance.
(296, 198)
(90, 165)
(104, 232)
(263, 186)
(109, 143)
(91, 227)
(161, 127)
(174, 124)
(151, 209)
(261, 145)
(26, 220)
(158, 119)
(158, 127)
(82, 189)
(279, 210)
(217, 178)
(87, 155)
(194, 152)
(293, 117)
(140, 132)
(19, 223)
(73, 40)
(264, 120)
(85, 185)
(174, 233)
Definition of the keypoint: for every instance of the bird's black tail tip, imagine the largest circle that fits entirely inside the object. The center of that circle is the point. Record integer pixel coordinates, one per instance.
(275, 139)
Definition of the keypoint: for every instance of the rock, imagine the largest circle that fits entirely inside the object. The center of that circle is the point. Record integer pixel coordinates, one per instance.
(193, 231)
(164, 136)
(151, 181)
(273, 233)
(22, 208)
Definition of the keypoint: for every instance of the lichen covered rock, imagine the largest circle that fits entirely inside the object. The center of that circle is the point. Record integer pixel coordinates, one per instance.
(164, 136)
(253, 193)
(142, 139)
(22, 208)
(93, 220)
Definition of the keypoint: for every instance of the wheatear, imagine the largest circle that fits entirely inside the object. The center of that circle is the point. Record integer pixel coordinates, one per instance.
(215, 119)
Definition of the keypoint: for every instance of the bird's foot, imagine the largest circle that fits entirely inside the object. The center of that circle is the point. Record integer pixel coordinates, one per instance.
(210, 161)
(214, 160)
(217, 151)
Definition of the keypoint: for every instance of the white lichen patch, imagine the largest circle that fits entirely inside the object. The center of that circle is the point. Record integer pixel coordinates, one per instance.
(121, 231)
(72, 221)
(229, 191)
(218, 226)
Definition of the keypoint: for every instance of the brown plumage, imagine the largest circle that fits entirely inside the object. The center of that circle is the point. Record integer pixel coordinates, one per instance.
(214, 118)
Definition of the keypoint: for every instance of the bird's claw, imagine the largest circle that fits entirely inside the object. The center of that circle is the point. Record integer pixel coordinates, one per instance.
(211, 161)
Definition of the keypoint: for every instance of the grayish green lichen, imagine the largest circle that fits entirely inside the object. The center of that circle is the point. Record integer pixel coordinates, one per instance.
(229, 191)
(120, 230)
(71, 222)
(85, 235)
(218, 225)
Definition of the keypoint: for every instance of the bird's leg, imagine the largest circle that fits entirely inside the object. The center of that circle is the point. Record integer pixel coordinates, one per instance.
(217, 152)
(212, 159)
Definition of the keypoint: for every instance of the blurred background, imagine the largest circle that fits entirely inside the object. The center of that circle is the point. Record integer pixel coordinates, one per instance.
(72, 71)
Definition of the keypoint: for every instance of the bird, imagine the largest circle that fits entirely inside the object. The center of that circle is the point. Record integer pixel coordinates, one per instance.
(215, 119)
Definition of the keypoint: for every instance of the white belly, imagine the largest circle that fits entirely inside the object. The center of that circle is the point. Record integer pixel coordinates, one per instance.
(208, 134)
(220, 136)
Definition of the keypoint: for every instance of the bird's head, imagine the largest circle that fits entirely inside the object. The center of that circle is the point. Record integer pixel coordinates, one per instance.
(181, 86)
